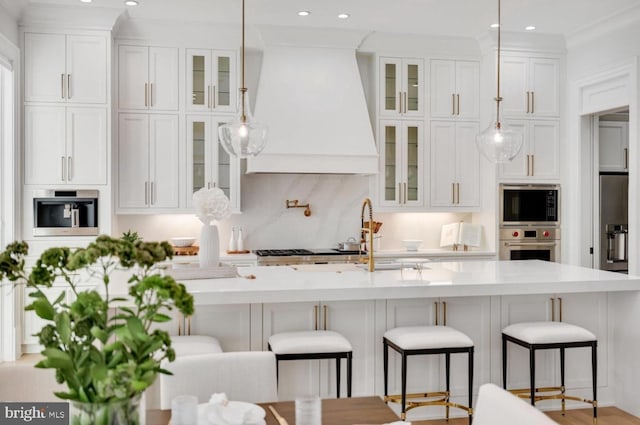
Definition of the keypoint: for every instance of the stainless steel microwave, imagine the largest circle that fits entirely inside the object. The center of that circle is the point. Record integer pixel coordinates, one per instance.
(65, 213)
(529, 205)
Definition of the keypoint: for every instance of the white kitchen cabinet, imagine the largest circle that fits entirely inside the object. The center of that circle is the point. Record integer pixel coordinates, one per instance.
(209, 165)
(455, 87)
(148, 162)
(588, 310)
(230, 324)
(613, 144)
(530, 86)
(65, 145)
(148, 78)
(401, 89)
(353, 319)
(455, 164)
(211, 80)
(401, 163)
(470, 315)
(65, 68)
(539, 157)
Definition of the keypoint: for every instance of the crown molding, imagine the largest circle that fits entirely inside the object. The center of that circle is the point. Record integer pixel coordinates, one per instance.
(101, 18)
(603, 26)
(522, 42)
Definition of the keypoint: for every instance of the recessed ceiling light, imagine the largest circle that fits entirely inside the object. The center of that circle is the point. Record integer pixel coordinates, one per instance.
(304, 13)
(131, 2)
(495, 25)
(86, 1)
(530, 28)
(344, 16)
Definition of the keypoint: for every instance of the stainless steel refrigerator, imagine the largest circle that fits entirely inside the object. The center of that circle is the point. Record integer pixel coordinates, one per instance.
(614, 209)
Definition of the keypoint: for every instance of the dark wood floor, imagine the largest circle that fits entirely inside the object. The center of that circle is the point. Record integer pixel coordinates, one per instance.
(606, 416)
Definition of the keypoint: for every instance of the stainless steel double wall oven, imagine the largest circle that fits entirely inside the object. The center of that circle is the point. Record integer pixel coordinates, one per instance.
(529, 227)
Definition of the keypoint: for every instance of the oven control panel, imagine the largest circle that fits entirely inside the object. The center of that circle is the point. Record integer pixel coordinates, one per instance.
(530, 234)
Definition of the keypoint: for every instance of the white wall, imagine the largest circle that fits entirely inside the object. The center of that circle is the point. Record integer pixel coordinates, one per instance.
(8, 24)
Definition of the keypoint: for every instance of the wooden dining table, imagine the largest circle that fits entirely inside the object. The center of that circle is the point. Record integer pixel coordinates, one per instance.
(338, 411)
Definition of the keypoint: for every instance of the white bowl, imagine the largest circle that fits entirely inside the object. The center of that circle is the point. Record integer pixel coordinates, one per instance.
(412, 244)
(183, 241)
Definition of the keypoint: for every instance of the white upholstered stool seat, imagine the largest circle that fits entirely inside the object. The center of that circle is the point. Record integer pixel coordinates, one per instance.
(426, 337)
(552, 335)
(548, 332)
(188, 345)
(309, 342)
(308, 345)
(425, 340)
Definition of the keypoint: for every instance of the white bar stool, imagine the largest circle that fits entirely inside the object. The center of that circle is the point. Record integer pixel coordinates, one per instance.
(307, 345)
(418, 340)
(185, 344)
(547, 336)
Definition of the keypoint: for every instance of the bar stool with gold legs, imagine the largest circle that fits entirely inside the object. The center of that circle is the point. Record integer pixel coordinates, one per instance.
(425, 340)
(548, 336)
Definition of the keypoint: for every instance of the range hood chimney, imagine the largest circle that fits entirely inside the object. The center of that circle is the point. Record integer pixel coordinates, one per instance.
(311, 97)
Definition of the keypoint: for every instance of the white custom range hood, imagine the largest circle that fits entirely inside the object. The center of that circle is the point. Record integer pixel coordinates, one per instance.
(312, 100)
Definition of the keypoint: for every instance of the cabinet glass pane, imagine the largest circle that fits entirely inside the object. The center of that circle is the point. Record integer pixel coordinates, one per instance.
(198, 95)
(390, 79)
(198, 161)
(223, 83)
(413, 83)
(389, 163)
(224, 169)
(412, 164)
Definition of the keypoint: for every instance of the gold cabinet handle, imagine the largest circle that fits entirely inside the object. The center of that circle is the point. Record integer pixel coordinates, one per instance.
(626, 158)
(444, 313)
(528, 101)
(146, 94)
(208, 97)
(560, 302)
(458, 102)
(152, 195)
(315, 315)
(62, 166)
(150, 94)
(406, 192)
(69, 168)
(68, 86)
(400, 102)
(436, 304)
(533, 165)
(400, 193)
(533, 102)
(453, 103)
(189, 325)
(62, 86)
(453, 193)
(213, 96)
(405, 102)
(146, 193)
(457, 193)
(553, 309)
(325, 312)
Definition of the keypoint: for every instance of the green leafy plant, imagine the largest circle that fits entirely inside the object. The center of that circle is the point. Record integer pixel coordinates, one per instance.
(105, 349)
(131, 236)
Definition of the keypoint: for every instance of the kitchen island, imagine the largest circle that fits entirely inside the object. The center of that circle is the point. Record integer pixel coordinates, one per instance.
(477, 297)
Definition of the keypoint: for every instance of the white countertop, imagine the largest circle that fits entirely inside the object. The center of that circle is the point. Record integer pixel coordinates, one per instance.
(439, 279)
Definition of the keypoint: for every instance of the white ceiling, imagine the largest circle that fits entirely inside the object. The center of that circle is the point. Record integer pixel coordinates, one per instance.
(467, 18)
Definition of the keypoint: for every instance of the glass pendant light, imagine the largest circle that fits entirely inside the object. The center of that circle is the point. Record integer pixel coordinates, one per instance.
(498, 143)
(243, 136)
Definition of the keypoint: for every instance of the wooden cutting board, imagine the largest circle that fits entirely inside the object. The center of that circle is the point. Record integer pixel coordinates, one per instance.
(186, 250)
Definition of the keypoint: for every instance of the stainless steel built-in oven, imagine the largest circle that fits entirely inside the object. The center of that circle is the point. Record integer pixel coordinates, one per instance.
(529, 222)
(530, 244)
(65, 213)
(529, 205)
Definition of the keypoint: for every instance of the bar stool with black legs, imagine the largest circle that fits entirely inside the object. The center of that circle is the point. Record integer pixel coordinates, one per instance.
(425, 340)
(548, 336)
(311, 345)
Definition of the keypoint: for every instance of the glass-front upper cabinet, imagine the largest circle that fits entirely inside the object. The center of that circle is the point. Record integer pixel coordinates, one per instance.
(209, 164)
(401, 147)
(211, 80)
(401, 90)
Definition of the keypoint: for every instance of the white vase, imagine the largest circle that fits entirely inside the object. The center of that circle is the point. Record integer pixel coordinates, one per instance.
(209, 254)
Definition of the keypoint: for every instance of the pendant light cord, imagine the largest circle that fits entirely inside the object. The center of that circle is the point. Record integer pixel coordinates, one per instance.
(498, 98)
(243, 89)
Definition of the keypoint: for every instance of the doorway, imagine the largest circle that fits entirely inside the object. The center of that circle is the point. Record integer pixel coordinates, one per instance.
(611, 190)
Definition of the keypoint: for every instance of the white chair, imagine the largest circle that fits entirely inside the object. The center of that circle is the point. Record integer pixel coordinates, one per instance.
(496, 406)
(243, 375)
(189, 345)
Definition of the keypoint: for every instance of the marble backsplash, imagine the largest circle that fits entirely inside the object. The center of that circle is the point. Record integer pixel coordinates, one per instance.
(336, 202)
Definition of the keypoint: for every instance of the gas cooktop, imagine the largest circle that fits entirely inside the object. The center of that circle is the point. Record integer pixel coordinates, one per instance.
(301, 252)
